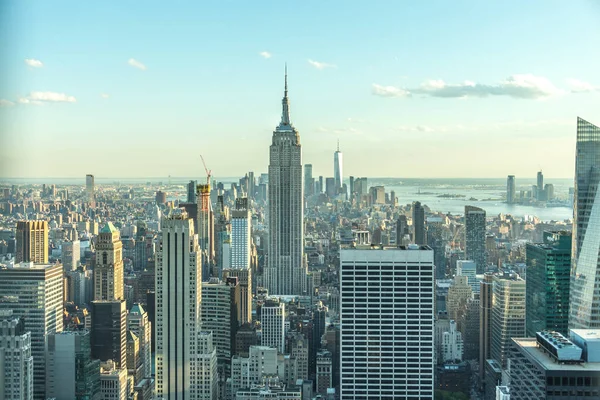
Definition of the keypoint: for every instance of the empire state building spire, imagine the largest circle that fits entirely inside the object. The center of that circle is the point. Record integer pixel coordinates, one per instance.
(285, 115)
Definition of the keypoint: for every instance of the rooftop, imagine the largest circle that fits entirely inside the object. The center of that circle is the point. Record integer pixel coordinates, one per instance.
(531, 350)
(387, 248)
(109, 228)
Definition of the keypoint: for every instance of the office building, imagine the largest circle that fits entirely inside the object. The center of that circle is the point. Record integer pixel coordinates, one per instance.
(418, 222)
(178, 298)
(324, 372)
(508, 314)
(548, 279)
(468, 268)
(90, 190)
(32, 242)
(550, 366)
(452, 344)
(16, 361)
(160, 197)
(241, 235)
(338, 175)
(191, 191)
(475, 237)
(285, 272)
(71, 253)
(485, 323)
(272, 321)
(205, 229)
(35, 293)
(109, 331)
(220, 308)
(108, 266)
(244, 277)
(377, 195)
(71, 373)
(139, 324)
(134, 361)
(585, 252)
(206, 376)
(261, 361)
(113, 382)
(387, 296)
(309, 182)
(510, 189)
(401, 229)
(330, 188)
(459, 293)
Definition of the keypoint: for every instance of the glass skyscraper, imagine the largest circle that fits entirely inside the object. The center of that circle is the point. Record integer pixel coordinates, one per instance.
(548, 275)
(585, 272)
(475, 236)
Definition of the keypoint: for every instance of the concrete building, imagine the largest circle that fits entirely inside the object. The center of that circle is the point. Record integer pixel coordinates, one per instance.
(510, 189)
(113, 382)
(244, 277)
(272, 321)
(418, 223)
(468, 268)
(207, 383)
(109, 331)
(16, 361)
(191, 191)
(324, 372)
(261, 362)
(475, 219)
(550, 366)
(285, 272)
(35, 293)
(485, 324)
(585, 272)
(388, 295)
(71, 253)
(205, 222)
(90, 190)
(452, 344)
(108, 266)
(32, 242)
(241, 235)
(459, 293)
(309, 182)
(138, 323)
(71, 373)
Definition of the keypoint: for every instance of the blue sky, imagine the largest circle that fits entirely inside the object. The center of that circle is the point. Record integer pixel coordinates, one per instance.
(411, 89)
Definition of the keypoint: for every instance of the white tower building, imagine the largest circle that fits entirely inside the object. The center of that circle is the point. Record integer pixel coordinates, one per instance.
(285, 272)
(272, 321)
(337, 168)
(240, 235)
(387, 299)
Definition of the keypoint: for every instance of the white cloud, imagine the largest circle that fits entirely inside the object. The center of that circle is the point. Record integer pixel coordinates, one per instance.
(578, 86)
(321, 65)
(420, 128)
(6, 103)
(47, 97)
(524, 86)
(104, 95)
(389, 91)
(136, 64)
(265, 54)
(32, 62)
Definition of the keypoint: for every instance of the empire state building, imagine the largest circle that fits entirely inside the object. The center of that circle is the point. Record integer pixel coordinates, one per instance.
(285, 273)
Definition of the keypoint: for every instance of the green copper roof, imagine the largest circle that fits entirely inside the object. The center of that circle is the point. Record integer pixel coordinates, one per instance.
(109, 228)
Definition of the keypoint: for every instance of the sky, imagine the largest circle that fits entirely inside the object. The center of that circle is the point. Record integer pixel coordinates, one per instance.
(410, 89)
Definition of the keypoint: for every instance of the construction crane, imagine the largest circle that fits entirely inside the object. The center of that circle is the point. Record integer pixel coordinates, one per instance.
(208, 172)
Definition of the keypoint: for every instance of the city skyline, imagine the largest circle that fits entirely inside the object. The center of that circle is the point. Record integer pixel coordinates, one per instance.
(506, 93)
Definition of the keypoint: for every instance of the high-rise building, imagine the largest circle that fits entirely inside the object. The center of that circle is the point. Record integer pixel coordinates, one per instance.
(285, 272)
(468, 268)
(205, 387)
(548, 279)
(138, 323)
(71, 373)
(113, 381)
(272, 321)
(205, 229)
(540, 195)
(16, 362)
(401, 229)
(459, 293)
(485, 323)
(178, 298)
(108, 267)
(418, 222)
(585, 253)
(35, 293)
(387, 299)
(220, 308)
(244, 277)
(508, 314)
(550, 366)
(191, 191)
(309, 183)
(90, 190)
(510, 189)
(452, 344)
(32, 242)
(330, 188)
(241, 235)
(109, 331)
(337, 168)
(475, 236)
(71, 254)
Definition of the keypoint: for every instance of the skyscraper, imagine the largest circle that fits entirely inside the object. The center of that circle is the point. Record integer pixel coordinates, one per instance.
(90, 190)
(272, 320)
(510, 189)
(387, 298)
(309, 183)
(285, 272)
(244, 277)
(418, 220)
(71, 254)
(178, 299)
(108, 268)
(540, 195)
(35, 293)
(16, 362)
(109, 331)
(205, 229)
(401, 229)
(32, 242)
(485, 323)
(475, 236)
(191, 191)
(548, 278)
(138, 323)
(337, 168)
(241, 230)
(585, 254)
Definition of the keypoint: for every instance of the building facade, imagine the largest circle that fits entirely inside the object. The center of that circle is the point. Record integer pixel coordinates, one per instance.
(16, 361)
(32, 242)
(109, 331)
(510, 189)
(418, 220)
(108, 266)
(475, 237)
(272, 320)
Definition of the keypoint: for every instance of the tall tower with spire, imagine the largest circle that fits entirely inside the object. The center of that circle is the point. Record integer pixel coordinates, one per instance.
(285, 273)
(337, 168)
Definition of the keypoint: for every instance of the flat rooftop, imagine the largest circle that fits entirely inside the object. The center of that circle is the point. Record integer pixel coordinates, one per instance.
(533, 352)
(388, 248)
